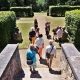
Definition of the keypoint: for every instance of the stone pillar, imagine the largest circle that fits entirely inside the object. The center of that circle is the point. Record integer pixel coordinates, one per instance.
(70, 62)
(10, 63)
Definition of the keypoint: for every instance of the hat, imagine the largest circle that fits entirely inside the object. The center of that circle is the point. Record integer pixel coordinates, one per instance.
(51, 40)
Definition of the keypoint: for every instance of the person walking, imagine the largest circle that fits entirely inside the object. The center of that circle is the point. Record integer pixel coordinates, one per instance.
(35, 24)
(32, 35)
(50, 53)
(59, 34)
(31, 58)
(47, 29)
(40, 44)
(54, 33)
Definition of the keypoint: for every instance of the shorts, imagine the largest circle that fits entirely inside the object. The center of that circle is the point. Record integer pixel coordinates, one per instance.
(33, 65)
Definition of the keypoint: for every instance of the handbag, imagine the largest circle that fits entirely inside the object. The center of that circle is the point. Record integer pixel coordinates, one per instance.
(48, 54)
(29, 62)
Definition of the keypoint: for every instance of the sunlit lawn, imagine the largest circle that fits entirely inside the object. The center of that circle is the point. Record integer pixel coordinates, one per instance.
(56, 21)
(25, 24)
(24, 27)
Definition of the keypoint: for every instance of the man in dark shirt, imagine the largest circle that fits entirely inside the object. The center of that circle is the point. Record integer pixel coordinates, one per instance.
(32, 35)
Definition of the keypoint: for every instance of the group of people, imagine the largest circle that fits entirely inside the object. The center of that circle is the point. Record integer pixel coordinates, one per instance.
(31, 55)
(58, 33)
(35, 37)
(36, 40)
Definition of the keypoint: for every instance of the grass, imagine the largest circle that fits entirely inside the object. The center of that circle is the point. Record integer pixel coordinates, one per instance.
(42, 12)
(24, 28)
(55, 21)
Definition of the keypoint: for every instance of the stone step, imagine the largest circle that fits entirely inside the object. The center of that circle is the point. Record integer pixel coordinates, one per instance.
(41, 74)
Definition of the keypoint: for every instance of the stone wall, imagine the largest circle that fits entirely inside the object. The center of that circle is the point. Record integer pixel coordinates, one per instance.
(10, 63)
(70, 62)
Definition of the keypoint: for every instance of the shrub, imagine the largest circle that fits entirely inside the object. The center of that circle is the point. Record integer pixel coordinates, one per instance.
(60, 10)
(22, 11)
(7, 25)
(72, 19)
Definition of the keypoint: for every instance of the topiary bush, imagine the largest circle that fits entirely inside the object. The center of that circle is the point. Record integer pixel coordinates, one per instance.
(7, 26)
(72, 20)
(22, 11)
(60, 10)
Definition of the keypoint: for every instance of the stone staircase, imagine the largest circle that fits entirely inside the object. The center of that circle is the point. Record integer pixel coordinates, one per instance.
(43, 73)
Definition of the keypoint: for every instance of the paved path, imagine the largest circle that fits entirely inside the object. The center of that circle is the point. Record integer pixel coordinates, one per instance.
(43, 72)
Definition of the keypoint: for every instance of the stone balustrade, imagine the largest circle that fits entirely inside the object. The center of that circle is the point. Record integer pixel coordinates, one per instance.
(10, 63)
(70, 62)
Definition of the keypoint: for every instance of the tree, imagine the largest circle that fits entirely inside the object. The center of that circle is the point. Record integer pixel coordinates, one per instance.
(4, 4)
(77, 2)
(19, 2)
(26, 2)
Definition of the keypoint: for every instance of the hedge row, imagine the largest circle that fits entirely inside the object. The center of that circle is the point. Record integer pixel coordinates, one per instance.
(60, 10)
(23, 11)
(7, 26)
(72, 19)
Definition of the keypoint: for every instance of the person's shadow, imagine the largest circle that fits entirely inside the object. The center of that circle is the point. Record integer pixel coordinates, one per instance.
(35, 75)
(54, 72)
(43, 61)
(20, 75)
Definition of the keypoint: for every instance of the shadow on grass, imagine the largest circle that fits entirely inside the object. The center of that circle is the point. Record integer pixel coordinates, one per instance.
(17, 18)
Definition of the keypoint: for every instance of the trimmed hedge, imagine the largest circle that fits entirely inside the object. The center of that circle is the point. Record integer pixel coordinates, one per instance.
(7, 26)
(72, 20)
(60, 10)
(23, 11)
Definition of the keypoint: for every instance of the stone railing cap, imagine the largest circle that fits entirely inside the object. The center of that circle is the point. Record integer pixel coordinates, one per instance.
(70, 50)
(75, 66)
(6, 55)
(73, 57)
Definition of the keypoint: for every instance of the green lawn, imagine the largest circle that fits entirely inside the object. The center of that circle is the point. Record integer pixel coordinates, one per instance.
(24, 27)
(56, 21)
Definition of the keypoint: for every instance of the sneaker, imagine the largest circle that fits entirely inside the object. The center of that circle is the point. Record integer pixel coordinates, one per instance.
(50, 69)
(34, 71)
(40, 57)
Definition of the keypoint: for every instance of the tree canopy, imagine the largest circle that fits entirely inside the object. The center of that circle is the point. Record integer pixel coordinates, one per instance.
(37, 5)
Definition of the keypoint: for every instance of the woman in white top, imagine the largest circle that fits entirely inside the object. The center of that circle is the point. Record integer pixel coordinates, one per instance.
(59, 34)
(40, 44)
(50, 49)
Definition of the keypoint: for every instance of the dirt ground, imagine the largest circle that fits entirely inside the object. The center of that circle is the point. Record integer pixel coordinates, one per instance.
(41, 64)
